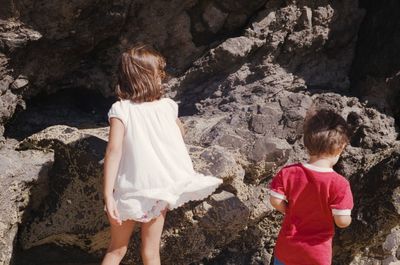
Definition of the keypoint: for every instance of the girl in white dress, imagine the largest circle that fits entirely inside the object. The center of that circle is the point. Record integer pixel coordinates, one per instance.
(147, 168)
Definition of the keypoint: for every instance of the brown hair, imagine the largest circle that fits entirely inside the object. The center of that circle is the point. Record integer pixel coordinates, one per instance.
(325, 132)
(140, 72)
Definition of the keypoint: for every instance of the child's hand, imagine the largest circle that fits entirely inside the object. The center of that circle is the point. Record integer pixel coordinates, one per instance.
(112, 212)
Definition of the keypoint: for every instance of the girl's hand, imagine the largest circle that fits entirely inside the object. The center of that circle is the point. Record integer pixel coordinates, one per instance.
(112, 212)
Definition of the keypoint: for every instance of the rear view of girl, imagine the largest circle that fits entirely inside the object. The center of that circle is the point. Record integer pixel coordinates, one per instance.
(147, 168)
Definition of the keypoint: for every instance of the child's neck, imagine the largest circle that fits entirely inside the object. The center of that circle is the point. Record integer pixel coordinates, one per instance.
(321, 161)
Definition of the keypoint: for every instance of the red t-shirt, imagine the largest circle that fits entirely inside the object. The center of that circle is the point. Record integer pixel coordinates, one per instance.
(314, 195)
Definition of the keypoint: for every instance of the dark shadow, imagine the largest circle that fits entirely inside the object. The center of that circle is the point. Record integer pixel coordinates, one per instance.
(375, 70)
(47, 193)
(203, 34)
(316, 63)
(58, 178)
(374, 214)
(219, 224)
(73, 107)
(243, 250)
(51, 254)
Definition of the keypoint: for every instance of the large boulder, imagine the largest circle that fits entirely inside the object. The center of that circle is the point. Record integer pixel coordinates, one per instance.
(23, 183)
(50, 46)
(376, 68)
(72, 214)
(245, 76)
(373, 238)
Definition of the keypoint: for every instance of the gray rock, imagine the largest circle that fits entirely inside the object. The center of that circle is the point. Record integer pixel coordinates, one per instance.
(5, 83)
(78, 217)
(271, 150)
(369, 230)
(23, 184)
(245, 75)
(375, 74)
(20, 82)
(214, 18)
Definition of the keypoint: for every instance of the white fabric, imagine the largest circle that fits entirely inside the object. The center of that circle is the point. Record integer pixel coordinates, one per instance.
(318, 169)
(155, 170)
(341, 212)
(277, 195)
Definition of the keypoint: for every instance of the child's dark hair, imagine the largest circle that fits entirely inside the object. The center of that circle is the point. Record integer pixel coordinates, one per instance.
(325, 132)
(140, 72)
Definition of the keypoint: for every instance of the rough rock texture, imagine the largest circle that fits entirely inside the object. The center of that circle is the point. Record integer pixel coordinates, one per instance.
(376, 68)
(68, 45)
(13, 35)
(377, 237)
(23, 183)
(244, 75)
(66, 217)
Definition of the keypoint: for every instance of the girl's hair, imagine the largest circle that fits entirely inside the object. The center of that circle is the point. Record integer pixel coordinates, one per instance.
(325, 132)
(140, 72)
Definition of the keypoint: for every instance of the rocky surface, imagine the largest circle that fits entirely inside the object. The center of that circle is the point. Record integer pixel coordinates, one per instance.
(378, 237)
(244, 75)
(23, 183)
(376, 68)
(76, 189)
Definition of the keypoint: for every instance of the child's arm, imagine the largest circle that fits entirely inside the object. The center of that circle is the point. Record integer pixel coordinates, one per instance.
(180, 125)
(277, 193)
(279, 204)
(342, 221)
(111, 164)
(342, 203)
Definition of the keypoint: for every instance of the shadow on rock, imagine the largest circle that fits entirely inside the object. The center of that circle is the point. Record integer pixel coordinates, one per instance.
(71, 217)
(376, 213)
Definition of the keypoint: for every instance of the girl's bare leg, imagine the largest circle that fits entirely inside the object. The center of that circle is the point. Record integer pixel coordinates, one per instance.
(151, 237)
(120, 236)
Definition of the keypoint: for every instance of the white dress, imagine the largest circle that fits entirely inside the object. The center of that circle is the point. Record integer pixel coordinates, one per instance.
(155, 171)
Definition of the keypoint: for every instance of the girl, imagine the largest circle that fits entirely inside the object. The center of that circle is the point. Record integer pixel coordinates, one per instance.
(147, 169)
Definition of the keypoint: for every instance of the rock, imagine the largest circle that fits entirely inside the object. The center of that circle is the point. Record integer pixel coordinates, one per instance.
(245, 75)
(266, 122)
(5, 83)
(235, 48)
(23, 178)
(218, 162)
(372, 233)
(8, 103)
(270, 149)
(20, 82)
(391, 245)
(375, 74)
(15, 34)
(77, 191)
(214, 18)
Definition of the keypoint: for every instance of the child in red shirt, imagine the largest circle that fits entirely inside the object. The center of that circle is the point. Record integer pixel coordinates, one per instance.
(312, 196)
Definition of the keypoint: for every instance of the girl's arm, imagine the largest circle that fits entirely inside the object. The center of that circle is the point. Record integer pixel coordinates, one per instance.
(180, 125)
(279, 204)
(111, 164)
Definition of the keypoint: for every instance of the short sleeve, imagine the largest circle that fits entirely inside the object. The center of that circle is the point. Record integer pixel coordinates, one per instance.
(173, 107)
(116, 111)
(342, 200)
(276, 187)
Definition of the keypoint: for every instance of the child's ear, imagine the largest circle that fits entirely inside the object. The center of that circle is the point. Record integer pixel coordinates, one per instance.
(341, 149)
